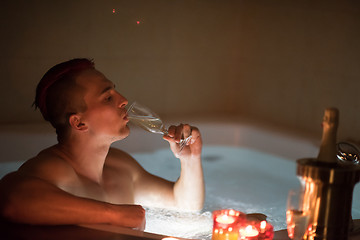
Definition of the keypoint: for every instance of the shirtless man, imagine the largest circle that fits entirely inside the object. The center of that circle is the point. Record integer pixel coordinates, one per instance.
(81, 179)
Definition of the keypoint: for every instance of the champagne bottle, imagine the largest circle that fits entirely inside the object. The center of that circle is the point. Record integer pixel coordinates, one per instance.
(330, 124)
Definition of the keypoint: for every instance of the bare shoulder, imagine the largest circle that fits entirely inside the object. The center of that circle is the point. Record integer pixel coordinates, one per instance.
(49, 166)
(118, 159)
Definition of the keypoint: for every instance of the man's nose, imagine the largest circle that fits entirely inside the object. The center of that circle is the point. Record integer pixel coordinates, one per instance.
(122, 101)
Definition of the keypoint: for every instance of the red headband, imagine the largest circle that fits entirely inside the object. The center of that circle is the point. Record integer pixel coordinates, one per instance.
(56, 73)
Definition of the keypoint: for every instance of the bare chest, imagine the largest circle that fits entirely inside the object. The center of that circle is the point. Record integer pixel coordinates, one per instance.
(116, 187)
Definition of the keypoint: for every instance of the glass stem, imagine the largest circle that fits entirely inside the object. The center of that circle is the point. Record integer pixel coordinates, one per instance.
(183, 142)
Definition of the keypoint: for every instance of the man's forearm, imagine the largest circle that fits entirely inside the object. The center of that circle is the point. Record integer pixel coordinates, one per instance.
(33, 201)
(189, 190)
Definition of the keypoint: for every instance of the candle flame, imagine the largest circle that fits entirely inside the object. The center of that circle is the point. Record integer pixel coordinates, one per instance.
(225, 219)
(249, 231)
(263, 224)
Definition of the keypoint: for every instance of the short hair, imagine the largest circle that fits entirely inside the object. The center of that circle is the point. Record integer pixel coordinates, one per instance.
(54, 95)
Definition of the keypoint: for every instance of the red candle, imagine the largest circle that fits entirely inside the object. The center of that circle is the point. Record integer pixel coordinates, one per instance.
(248, 233)
(227, 223)
(225, 219)
(263, 226)
(256, 230)
(266, 231)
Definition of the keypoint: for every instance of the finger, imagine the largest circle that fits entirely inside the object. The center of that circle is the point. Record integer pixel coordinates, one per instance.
(195, 133)
(187, 130)
(170, 135)
(178, 133)
(171, 131)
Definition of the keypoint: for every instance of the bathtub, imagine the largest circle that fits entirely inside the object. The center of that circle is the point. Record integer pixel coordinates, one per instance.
(247, 166)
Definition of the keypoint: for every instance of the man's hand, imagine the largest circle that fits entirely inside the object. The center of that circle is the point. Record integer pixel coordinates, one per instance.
(132, 216)
(182, 131)
(189, 189)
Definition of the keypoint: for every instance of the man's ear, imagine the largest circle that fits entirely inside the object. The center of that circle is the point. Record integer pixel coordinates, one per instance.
(75, 122)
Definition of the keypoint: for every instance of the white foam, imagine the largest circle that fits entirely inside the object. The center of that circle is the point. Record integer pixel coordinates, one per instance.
(179, 224)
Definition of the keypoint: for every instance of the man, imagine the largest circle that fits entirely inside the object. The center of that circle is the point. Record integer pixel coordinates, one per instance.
(81, 179)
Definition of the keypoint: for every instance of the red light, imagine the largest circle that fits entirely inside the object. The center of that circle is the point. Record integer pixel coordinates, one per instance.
(137, 22)
(114, 10)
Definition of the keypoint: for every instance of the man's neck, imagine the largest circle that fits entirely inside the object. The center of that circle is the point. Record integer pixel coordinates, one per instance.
(86, 157)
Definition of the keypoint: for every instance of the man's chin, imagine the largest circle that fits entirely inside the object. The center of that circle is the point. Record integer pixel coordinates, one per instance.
(123, 134)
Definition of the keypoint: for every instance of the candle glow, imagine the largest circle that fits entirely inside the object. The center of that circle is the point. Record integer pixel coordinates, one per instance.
(230, 224)
(248, 232)
(262, 226)
(256, 230)
(225, 219)
(226, 224)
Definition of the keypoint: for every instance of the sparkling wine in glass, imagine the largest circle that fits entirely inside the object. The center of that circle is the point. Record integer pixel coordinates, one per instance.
(150, 121)
(297, 215)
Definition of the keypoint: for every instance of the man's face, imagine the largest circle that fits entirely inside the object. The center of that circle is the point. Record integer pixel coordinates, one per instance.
(105, 115)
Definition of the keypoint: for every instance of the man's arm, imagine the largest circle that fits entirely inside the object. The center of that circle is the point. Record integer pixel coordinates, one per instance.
(188, 192)
(30, 200)
(189, 189)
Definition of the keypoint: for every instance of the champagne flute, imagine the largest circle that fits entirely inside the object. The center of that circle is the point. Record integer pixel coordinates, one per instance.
(150, 121)
(297, 215)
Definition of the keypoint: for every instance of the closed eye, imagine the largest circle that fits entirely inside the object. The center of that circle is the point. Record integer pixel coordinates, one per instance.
(109, 98)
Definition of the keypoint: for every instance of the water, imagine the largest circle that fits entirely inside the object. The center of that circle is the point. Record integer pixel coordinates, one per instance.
(238, 178)
(242, 179)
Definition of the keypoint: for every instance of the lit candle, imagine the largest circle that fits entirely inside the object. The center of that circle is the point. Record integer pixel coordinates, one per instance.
(225, 219)
(249, 232)
(266, 231)
(226, 224)
(262, 226)
(256, 230)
